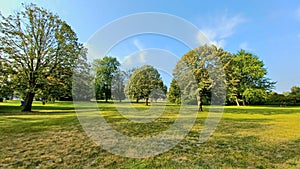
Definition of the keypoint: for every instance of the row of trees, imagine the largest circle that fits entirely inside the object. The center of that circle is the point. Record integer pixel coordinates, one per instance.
(201, 74)
(242, 73)
(140, 83)
(287, 98)
(40, 54)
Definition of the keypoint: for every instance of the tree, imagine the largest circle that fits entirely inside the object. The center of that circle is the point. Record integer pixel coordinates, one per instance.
(246, 78)
(143, 82)
(255, 96)
(118, 85)
(105, 70)
(294, 95)
(82, 79)
(205, 63)
(174, 93)
(295, 90)
(274, 98)
(36, 47)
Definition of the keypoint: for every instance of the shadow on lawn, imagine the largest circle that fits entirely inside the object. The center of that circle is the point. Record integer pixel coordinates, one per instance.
(36, 122)
(8, 109)
(262, 110)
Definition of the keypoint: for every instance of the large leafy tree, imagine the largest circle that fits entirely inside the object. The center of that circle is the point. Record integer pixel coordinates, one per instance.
(205, 64)
(105, 70)
(36, 47)
(143, 82)
(246, 78)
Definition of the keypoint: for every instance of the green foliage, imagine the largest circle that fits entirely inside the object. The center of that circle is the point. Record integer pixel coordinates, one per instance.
(6, 89)
(143, 82)
(200, 70)
(255, 96)
(274, 98)
(295, 90)
(245, 76)
(105, 70)
(246, 79)
(118, 85)
(82, 79)
(174, 94)
(38, 50)
(293, 97)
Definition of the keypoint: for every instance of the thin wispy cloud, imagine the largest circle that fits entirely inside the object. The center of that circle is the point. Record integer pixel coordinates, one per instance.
(137, 57)
(221, 27)
(138, 44)
(140, 47)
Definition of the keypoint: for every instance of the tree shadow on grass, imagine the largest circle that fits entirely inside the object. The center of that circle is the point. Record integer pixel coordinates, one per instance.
(33, 123)
(266, 110)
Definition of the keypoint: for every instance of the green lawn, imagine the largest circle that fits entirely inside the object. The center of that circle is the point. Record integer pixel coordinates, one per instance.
(52, 137)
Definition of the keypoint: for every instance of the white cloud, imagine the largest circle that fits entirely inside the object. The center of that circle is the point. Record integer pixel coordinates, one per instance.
(141, 57)
(141, 53)
(135, 60)
(138, 44)
(218, 28)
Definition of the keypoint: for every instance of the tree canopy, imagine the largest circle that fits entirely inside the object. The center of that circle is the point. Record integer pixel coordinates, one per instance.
(203, 63)
(143, 82)
(174, 94)
(37, 49)
(246, 78)
(105, 70)
(295, 90)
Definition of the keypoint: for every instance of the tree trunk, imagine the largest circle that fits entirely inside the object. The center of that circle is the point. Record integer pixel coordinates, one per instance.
(28, 102)
(137, 100)
(237, 101)
(243, 102)
(147, 101)
(106, 95)
(199, 100)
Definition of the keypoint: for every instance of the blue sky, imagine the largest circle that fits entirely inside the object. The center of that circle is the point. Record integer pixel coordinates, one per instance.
(269, 29)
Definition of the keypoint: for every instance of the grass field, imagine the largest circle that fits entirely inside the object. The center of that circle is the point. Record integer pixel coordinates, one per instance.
(246, 137)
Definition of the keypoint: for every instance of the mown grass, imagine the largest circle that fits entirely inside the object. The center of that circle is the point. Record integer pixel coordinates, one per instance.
(246, 137)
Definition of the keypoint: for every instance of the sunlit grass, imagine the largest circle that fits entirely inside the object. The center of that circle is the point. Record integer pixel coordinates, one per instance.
(246, 137)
